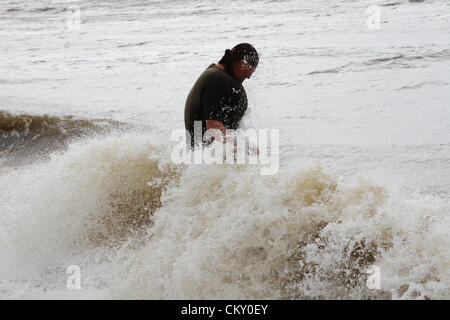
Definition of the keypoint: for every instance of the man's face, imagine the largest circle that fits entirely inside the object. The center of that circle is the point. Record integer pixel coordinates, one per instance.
(242, 70)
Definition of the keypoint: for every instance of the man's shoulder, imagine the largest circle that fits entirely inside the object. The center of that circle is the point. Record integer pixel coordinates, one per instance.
(216, 75)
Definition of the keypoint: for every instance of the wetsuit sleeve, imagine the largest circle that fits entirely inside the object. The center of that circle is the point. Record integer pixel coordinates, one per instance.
(216, 101)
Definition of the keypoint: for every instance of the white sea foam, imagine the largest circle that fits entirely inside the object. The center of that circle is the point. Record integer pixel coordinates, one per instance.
(213, 231)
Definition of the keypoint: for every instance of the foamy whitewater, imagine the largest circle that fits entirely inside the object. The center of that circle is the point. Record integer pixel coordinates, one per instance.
(86, 177)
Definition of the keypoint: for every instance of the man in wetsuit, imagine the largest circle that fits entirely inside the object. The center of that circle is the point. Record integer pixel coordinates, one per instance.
(218, 98)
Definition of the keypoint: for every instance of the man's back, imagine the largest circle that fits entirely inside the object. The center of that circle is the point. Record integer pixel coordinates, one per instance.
(215, 96)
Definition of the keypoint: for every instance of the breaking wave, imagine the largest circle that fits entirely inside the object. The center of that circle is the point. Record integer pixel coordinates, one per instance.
(140, 227)
(24, 136)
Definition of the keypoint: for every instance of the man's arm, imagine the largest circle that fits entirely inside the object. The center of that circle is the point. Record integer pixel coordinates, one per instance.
(218, 125)
(216, 103)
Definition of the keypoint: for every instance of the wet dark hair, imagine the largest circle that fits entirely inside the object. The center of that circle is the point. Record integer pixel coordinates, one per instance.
(243, 51)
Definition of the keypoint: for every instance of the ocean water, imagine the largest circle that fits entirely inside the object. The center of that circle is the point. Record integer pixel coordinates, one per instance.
(86, 177)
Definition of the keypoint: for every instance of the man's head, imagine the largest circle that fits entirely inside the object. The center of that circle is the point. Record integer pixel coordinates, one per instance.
(241, 61)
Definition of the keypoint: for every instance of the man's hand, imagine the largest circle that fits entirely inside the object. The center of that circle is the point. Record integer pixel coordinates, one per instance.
(216, 124)
(219, 132)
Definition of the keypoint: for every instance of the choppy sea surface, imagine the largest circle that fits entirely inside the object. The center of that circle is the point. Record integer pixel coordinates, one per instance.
(90, 92)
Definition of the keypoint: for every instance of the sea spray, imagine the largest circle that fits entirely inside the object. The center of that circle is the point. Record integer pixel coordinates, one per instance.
(92, 196)
(140, 227)
(230, 233)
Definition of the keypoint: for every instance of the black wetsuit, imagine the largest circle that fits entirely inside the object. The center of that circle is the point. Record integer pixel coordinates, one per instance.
(215, 96)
